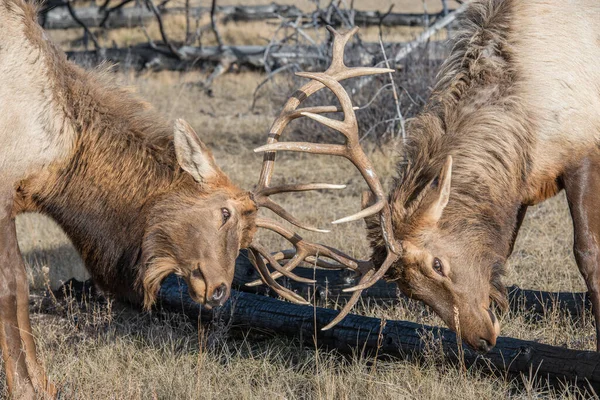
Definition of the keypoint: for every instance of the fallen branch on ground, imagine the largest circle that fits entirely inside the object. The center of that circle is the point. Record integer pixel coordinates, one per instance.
(432, 30)
(144, 56)
(393, 338)
(92, 17)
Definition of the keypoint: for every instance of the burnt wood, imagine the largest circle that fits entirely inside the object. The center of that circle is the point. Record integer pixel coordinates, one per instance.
(399, 339)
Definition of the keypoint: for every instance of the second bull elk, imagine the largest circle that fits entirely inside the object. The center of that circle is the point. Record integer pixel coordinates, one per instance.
(514, 118)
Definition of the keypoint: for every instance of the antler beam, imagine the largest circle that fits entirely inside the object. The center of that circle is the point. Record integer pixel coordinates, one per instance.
(351, 149)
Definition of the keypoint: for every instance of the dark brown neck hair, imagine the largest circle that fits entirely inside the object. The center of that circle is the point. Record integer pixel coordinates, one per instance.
(123, 158)
(475, 116)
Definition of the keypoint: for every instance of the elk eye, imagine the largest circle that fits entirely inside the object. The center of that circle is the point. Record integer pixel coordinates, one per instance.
(226, 214)
(437, 266)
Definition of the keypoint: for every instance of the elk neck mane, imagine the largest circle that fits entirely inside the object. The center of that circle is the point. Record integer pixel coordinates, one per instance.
(121, 160)
(474, 114)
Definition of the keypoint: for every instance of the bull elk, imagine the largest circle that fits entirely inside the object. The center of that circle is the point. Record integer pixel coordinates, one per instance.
(138, 198)
(513, 119)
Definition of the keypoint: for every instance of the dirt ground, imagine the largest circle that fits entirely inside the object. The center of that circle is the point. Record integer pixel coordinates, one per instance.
(108, 351)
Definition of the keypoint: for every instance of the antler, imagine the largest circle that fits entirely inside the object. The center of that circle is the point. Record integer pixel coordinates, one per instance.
(351, 149)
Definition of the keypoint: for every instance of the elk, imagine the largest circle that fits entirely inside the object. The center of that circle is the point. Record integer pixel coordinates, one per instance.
(139, 198)
(513, 119)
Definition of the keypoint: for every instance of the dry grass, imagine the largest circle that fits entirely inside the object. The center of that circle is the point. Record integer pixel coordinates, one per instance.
(110, 351)
(96, 350)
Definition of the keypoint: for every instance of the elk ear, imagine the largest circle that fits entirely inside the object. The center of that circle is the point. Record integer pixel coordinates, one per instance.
(441, 188)
(193, 155)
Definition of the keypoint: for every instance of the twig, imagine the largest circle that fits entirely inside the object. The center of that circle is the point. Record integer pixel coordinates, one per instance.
(372, 128)
(433, 29)
(268, 78)
(187, 21)
(381, 89)
(444, 8)
(213, 24)
(394, 91)
(221, 68)
(161, 27)
(110, 10)
(84, 26)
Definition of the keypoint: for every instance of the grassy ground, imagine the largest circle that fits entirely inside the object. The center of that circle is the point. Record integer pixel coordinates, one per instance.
(110, 351)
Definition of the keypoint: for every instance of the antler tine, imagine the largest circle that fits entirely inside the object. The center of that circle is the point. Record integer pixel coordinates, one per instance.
(351, 149)
(350, 304)
(304, 251)
(365, 282)
(282, 271)
(257, 261)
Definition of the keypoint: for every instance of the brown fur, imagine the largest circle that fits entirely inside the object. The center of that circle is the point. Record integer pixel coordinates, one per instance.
(477, 114)
(121, 183)
(135, 203)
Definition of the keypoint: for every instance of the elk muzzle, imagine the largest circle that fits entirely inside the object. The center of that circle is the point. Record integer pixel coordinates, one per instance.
(210, 292)
(481, 334)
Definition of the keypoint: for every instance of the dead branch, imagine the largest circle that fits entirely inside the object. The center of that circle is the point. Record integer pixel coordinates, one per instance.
(161, 27)
(94, 17)
(425, 36)
(109, 11)
(399, 339)
(86, 30)
(119, 16)
(252, 57)
(213, 24)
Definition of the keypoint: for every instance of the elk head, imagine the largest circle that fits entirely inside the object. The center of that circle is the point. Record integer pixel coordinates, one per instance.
(451, 272)
(197, 230)
(415, 252)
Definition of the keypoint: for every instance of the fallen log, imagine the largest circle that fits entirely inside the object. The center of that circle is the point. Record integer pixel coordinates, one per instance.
(147, 57)
(400, 339)
(330, 285)
(92, 17)
(127, 17)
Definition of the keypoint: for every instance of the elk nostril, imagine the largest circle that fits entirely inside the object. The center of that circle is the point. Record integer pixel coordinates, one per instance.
(219, 292)
(484, 346)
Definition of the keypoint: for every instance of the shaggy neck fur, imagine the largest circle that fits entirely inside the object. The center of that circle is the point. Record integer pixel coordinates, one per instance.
(122, 160)
(475, 116)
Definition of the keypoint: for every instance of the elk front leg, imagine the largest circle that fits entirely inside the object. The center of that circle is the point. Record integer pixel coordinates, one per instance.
(17, 376)
(35, 369)
(582, 185)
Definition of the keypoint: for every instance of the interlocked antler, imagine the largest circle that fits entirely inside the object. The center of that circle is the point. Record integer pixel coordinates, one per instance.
(306, 251)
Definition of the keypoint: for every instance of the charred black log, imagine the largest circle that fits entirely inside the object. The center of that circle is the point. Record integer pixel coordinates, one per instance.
(389, 338)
